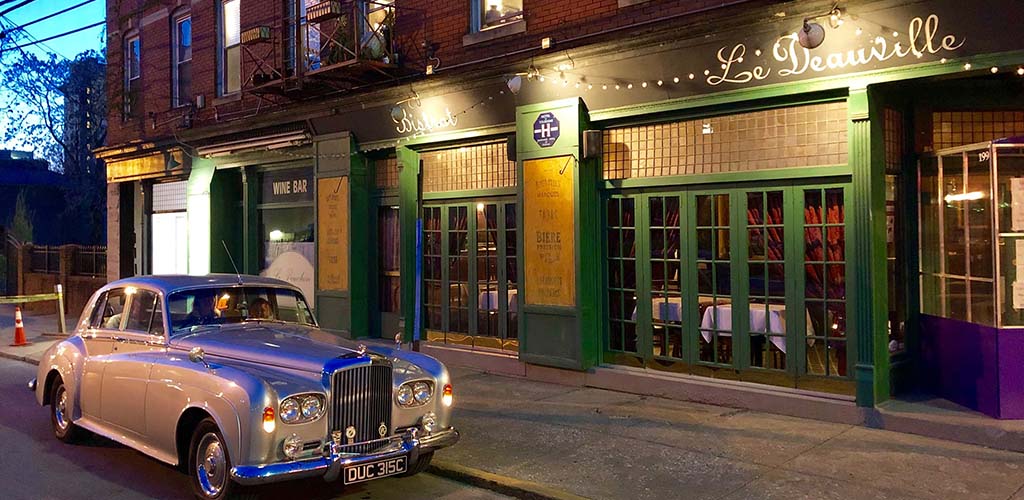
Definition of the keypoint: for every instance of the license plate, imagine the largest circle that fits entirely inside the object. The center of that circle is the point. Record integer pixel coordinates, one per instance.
(374, 470)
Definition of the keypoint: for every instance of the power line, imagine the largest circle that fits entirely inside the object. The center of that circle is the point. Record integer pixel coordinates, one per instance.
(22, 4)
(66, 33)
(59, 12)
(8, 31)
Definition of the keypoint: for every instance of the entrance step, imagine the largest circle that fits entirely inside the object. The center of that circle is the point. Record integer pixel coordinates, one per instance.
(942, 419)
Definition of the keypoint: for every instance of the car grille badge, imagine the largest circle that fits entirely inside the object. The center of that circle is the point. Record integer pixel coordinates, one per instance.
(382, 430)
(350, 434)
(336, 437)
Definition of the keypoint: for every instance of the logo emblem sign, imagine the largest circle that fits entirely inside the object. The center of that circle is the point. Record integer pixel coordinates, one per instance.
(350, 434)
(382, 430)
(545, 130)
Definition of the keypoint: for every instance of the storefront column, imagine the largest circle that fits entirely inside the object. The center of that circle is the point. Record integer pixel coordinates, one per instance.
(344, 227)
(198, 206)
(869, 300)
(559, 267)
(408, 214)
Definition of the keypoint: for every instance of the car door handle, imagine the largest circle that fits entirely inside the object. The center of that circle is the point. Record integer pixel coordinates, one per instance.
(120, 339)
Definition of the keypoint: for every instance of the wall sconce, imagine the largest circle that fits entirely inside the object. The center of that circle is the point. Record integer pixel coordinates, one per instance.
(515, 84)
(811, 36)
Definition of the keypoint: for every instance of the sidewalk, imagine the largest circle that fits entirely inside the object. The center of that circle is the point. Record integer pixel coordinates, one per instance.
(41, 331)
(601, 444)
(538, 440)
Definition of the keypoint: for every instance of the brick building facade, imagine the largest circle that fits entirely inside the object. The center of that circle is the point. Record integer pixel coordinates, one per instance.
(565, 189)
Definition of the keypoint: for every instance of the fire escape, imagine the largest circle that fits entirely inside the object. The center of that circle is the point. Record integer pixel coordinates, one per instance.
(331, 45)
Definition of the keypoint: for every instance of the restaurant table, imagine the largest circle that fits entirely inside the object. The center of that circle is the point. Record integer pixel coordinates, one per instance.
(720, 317)
(671, 308)
(488, 300)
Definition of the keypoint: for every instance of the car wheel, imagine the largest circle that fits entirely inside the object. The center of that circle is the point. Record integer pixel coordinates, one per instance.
(60, 414)
(209, 464)
(421, 464)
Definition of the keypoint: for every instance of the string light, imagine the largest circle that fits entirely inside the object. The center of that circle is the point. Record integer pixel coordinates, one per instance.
(675, 80)
(1020, 71)
(994, 70)
(643, 84)
(967, 66)
(660, 83)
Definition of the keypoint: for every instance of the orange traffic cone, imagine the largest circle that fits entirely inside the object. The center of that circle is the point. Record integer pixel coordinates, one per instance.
(19, 329)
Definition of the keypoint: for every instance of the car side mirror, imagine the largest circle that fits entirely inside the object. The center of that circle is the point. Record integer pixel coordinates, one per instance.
(197, 355)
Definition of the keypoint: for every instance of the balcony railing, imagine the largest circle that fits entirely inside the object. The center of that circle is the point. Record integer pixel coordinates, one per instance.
(335, 41)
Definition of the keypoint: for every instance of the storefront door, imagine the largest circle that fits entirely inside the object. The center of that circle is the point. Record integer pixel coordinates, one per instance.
(743, 283)
(388, 272)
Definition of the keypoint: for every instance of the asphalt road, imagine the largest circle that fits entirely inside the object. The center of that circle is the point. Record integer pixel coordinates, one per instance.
(34, 465)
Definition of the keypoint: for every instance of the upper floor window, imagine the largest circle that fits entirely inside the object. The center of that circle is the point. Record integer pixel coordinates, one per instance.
(488, 14)
(132, 76)
(230, 60)
(182, 67)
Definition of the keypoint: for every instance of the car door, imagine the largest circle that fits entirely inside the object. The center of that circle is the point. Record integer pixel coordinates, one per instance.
(126, 371)
(97, 335)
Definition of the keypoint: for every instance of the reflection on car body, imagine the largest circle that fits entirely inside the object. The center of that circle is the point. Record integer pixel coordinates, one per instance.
(230, 377)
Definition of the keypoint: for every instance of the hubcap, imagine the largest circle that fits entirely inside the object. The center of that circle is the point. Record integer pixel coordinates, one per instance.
(60, 409)
(211, 465)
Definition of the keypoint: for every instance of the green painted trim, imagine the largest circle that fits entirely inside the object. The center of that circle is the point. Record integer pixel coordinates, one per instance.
(361, 244)
(857, 81)
(408, 213)
(250, 220)
(590, 264)
(475, 193)
(732, 177)
(198, 207)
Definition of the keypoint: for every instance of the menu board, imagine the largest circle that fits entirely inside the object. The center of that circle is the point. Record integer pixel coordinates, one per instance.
(333, 240)
(549, 232)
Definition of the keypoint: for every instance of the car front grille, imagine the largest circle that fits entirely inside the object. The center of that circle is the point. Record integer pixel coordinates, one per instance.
(361, 399)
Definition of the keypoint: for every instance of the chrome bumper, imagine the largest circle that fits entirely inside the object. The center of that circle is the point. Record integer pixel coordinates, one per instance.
(329, 467)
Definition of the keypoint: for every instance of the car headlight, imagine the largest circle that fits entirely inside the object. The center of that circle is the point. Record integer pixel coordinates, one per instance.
(289, 411)
(301, 408)
(311, 407)
(421, 391)
(405, 395)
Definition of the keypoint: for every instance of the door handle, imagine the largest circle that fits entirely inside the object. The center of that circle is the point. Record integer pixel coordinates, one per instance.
(120, 339)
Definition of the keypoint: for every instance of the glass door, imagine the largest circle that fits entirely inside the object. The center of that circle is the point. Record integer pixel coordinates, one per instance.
(744, 283)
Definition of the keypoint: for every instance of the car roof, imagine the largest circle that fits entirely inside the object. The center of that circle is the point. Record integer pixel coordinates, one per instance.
(167, 283)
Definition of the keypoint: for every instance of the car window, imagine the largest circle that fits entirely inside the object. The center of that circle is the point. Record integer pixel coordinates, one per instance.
(140, 314)
(156, 327)
(113, 308)
(216, 306)
(96, 318)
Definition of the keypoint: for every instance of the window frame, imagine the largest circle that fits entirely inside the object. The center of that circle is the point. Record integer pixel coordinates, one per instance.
(222, 51)
(176, 63)
(127, 110)
(476, 12)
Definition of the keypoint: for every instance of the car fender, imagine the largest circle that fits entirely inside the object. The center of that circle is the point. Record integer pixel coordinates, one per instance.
(66, 359)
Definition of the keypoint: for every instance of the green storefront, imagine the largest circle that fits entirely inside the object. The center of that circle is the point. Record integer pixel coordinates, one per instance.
(727, 204)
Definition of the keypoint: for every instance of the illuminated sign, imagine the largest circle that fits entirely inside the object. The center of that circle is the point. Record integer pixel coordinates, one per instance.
(921, 35)
(545, 130)
(421, 122)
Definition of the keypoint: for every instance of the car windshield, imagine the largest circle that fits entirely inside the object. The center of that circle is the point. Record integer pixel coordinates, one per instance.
(191, 309)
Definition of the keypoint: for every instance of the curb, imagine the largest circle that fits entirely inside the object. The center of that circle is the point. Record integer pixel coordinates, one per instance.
(15, 357)
(516, 488)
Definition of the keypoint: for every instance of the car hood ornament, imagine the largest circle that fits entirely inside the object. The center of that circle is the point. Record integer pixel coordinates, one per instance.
(361, 349)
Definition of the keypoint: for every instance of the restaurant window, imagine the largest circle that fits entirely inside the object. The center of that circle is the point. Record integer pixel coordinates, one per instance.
(286, 215)
(132, 76)
(894, 140)
(229, 62)
(182, 64)
(972, 222)
(470, 274)
(723, 143)
(490, 14)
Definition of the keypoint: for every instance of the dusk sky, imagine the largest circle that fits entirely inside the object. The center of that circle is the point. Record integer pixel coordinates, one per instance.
(67, 46)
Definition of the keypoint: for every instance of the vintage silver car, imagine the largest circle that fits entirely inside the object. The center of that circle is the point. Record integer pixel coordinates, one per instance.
(230, 377)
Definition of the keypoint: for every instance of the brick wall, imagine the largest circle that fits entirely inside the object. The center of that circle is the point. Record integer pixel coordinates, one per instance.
(443, 23)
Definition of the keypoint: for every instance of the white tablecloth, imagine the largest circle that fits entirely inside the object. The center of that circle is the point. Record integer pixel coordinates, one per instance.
(720, 318)
(671, 308)
(488, 301)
